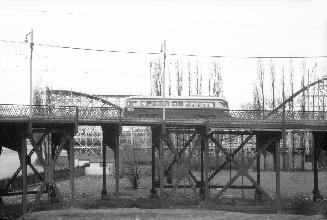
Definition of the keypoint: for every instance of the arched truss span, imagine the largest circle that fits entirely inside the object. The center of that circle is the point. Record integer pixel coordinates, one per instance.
(296, 94)
(88, 139)
(65, 97)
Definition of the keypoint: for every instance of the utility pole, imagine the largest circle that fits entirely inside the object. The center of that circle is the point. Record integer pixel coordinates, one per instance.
(31, 78)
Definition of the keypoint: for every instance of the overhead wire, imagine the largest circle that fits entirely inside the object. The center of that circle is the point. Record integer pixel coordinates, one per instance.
(168, 54)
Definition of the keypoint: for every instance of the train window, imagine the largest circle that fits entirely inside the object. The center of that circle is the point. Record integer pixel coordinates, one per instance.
(202, 104)
(193, 104)
(173, 104)
(134, 103)
(149, 103)
(180, 103)
(143, 103)
(128, 103)
(219, 105)
(187, 104)
(210, 104)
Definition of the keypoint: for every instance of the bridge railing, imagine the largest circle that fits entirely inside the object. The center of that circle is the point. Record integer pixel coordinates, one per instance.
(10, 111)
(57, 112)
(98, 113)
(276, 116)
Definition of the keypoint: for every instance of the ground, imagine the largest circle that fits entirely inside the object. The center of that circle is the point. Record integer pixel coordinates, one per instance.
(296, 190)
(162, 214)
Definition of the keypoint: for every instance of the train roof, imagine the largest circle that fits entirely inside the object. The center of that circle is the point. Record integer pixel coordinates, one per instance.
(178, 98)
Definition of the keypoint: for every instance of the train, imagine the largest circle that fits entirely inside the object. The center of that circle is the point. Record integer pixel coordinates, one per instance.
(192, 107)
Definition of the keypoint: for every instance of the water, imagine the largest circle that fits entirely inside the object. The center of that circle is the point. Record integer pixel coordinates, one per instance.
(9, 162)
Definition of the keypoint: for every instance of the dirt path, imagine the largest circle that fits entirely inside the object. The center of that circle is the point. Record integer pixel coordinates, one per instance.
(164, 214)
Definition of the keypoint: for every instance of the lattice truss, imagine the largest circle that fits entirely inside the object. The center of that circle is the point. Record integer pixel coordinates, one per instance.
(88, 140)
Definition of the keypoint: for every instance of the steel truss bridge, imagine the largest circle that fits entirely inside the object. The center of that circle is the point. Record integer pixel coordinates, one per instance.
(52, 128)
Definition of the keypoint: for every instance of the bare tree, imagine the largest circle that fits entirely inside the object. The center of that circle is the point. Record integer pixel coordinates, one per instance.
(284, 141)
(291, 108)
(189, 78)
(157, 78)
(261, 79)
(169, 84)
(303, 108)
(198, 79)
(273, 82)
(256, 98)
(179, 79)
(215, 80)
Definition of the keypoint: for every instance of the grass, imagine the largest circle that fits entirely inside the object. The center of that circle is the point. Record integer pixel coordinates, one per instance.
(296, 191)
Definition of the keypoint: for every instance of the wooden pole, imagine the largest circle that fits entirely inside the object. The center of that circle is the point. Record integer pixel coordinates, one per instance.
(72, 171)
(277, 145)
(24, 174)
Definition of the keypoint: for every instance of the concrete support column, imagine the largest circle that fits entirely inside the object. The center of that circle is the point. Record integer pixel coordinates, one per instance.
(111, 134)
(161, 164)
(205, 138)
(72, 171)
(259, 142)
(317, 139)
(155, 145)
(117, 164)
(104, 175)
(202, 190)
(24, 174)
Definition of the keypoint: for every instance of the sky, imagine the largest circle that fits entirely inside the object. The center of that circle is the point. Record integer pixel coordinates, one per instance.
(206, 28)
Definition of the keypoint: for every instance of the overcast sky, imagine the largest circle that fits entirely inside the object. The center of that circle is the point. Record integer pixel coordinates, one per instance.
(233, 28)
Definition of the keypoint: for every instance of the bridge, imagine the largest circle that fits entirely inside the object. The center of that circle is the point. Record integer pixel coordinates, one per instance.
(55, 126)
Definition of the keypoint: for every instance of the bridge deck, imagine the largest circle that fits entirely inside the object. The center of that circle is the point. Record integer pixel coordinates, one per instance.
(228, 119)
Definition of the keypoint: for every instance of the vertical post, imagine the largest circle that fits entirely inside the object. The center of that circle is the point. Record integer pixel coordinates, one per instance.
(24, 174)
(206, 163)
(72, 171)
(277, 146)
(104, 175)
(258, 143)
(117, 163)
(31, 79)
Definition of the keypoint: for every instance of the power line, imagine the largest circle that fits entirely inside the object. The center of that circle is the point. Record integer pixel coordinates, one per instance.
(168, 54)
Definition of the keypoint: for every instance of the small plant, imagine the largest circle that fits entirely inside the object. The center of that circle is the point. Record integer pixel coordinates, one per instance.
(133, 171)
(132, 166)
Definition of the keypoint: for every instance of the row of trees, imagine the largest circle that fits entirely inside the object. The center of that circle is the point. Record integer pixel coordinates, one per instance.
(266, 97)
(188, 79)
(264, 90)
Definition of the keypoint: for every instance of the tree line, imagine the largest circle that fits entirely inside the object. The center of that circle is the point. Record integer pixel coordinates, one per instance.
(186, 79)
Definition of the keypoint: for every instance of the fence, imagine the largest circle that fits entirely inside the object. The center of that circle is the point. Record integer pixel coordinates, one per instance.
(33, 179)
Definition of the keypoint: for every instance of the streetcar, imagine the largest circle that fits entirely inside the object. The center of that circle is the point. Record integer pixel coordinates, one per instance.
(176, 106)
(189, 102)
